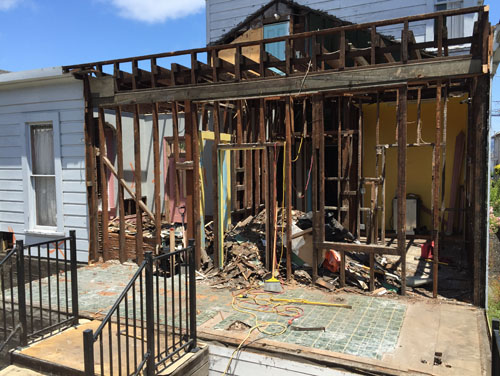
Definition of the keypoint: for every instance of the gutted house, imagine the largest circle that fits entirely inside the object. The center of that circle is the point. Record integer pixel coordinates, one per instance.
(301, 146)
(323, 116)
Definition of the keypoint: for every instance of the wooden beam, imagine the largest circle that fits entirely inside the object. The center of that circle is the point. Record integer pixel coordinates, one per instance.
(121, 194)
(348, 79)
(138, 186)
(363, 248)
(104, 188)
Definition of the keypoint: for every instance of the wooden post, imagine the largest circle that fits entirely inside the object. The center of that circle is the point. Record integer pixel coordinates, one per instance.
(215, 182)
(121, 194)
(439, 36)
(318, 180)
(287, 159)
(373, 45)
(402, 140)
(197, 189)
(90, 172)
(342, 50)
(156, 163)
(175, 131)
(193, 179)
(404, 43)
(480, 117)
(138, 186)
(436, 218)
(104, 188)
(265, 176)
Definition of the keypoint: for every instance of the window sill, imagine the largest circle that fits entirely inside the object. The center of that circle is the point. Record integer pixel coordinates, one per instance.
(44, 233)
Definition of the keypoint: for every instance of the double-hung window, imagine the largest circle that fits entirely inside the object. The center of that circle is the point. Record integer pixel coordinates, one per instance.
(43, 176)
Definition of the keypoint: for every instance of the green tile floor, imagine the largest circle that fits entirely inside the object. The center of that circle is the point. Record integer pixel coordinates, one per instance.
(370, 329)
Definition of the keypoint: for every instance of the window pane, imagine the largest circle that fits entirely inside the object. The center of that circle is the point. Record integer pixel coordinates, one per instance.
(42, 150)
(45, 196)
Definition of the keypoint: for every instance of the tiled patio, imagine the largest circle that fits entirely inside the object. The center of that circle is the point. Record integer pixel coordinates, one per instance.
(376, 329)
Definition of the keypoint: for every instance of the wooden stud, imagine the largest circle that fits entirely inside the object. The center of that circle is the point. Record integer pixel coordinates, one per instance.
(196, 187)
(373, 45)
(439, 36)
(342, 62)
(287, 159)
(156, 164)
(436, 218)
(104, 188)
(402, 140)
(265, 177)
(177, 181)
(91, 172)
(215, 182)
(404, 43)
(237, 63)
(121, 194)
(138, 186)
(189, 188)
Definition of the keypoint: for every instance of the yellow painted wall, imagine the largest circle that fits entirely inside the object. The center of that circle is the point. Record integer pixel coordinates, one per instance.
(419, 160)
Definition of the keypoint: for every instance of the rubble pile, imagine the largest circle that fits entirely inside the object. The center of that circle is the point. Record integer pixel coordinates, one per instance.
(243, 268)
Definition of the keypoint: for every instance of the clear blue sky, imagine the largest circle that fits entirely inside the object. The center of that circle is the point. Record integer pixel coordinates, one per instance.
(36, 33)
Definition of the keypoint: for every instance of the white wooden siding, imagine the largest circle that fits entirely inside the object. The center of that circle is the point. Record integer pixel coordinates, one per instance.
(250, 363)
(63, 96)
(223, 15)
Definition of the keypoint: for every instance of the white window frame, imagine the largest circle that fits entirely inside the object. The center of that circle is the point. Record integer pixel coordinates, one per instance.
(41, 118)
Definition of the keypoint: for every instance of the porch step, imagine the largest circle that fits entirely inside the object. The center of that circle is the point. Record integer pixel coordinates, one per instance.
(62, 354)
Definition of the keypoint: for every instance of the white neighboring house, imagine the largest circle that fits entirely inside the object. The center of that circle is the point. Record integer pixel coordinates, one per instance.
(42, 157)
(224, 15)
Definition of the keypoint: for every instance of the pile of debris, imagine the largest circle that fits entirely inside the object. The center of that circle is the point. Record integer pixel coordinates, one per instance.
(243, 268)
(245, 244)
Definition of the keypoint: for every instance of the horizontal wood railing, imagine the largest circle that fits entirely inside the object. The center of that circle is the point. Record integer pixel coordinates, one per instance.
(347, 47)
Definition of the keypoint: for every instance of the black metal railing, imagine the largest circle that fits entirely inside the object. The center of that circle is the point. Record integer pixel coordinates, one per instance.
(39, 290)
(153, 321)
(495, 347)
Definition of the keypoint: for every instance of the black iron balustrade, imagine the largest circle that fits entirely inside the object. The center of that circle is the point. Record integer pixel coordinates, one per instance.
(153, 321)
(39, 290)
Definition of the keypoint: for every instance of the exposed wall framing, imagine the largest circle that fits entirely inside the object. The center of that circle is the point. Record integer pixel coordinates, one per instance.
(282, 126)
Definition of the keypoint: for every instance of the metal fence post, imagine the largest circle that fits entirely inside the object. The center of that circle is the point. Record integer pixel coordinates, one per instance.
(74, 277)
(150, 319)
(88, 352)
(21, 292)
(495, 348)
(192, 293)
